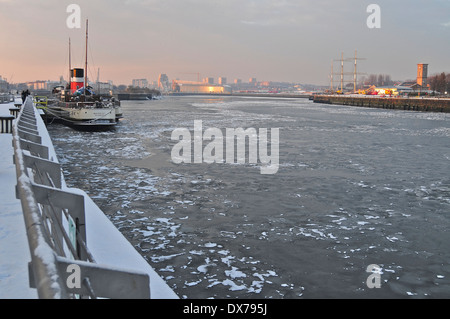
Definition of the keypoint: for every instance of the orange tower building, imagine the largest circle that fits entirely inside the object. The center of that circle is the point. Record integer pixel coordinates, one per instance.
(422, 74)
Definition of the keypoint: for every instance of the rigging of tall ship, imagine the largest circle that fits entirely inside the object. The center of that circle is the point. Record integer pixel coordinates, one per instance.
(77, 105)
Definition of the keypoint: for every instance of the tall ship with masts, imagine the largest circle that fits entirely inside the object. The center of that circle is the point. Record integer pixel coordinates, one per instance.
(78, 106)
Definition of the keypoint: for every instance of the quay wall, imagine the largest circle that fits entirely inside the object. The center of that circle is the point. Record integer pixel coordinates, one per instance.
(395, 103)
(272, 95)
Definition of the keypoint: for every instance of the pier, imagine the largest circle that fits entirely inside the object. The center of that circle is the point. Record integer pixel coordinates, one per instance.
(53, 235)
(395, 103)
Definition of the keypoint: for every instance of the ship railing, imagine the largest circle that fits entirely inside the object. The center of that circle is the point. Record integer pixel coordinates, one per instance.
(61, 264)
(41, 102)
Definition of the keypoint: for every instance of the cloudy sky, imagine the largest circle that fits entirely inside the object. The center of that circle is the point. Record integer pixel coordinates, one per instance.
(272, 40)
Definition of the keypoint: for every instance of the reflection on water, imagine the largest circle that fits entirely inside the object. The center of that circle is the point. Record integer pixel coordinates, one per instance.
(355, 187)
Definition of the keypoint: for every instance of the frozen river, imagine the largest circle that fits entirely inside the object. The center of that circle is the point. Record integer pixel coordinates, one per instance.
(354, 187)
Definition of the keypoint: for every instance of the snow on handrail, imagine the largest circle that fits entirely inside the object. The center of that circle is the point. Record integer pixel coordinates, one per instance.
(61, 265)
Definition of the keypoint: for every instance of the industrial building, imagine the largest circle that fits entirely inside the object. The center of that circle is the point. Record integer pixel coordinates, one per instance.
(199, 87)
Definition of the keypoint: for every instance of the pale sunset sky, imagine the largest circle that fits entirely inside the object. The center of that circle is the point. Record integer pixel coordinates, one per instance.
(278, 40)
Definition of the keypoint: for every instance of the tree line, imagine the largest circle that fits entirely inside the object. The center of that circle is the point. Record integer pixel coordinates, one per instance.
(440, 83)
(377, 80)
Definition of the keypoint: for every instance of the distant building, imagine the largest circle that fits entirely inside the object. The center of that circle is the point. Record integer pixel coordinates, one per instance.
(103, 87)
(37, 85)
(42, 86)
(252, 81)
(222, 81)
(4, 85)
(237, 81)
(199, 88)
(422, 75)
(163, 82)
(414, 86)
(140, 83)
(208, 80)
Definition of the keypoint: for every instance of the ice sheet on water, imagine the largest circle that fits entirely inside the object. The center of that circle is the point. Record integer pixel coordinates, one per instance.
(235, 273)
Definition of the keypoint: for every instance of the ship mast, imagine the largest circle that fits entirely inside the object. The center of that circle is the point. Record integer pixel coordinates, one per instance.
(70, 66)
(86, 61)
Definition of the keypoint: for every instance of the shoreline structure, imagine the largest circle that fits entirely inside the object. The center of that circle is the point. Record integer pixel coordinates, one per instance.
(420, 104)
(395, 103)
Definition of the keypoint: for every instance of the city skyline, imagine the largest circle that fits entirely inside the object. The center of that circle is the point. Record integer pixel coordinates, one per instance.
(284, 41)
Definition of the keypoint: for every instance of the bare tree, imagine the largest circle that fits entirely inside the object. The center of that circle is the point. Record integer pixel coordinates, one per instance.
(448, 83)
(372, 80)
(380, 80)
(387, 80)
(441, 83)
(433, 80)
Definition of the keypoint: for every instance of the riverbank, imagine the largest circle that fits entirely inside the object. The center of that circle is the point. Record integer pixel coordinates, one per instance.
(421, 104)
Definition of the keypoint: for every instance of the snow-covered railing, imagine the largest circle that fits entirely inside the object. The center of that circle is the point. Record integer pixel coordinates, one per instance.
(6, 123)
(61, 265)
(6, 98)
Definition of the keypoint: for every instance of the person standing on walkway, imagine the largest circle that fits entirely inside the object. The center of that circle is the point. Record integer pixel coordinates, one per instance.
(24, 95)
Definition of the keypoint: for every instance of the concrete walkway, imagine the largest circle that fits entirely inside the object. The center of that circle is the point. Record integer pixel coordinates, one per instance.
(14, 251)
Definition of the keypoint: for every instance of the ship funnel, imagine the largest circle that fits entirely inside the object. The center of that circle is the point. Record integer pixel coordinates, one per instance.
(76, 79)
